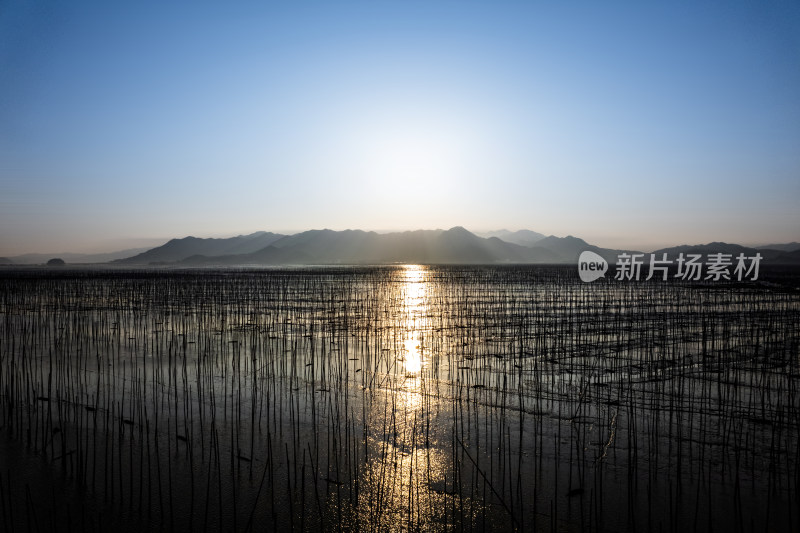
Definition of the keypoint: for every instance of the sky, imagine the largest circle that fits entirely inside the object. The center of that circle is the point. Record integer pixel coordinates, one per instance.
(628, 124)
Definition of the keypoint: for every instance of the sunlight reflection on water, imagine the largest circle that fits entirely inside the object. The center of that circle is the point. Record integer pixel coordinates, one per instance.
(408, 473)
(414, 294)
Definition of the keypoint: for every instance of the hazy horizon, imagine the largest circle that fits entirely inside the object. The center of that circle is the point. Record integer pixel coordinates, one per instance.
(627, 125)
(149, 243)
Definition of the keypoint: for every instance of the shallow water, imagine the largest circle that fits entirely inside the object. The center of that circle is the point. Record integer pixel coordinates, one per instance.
(402, 398)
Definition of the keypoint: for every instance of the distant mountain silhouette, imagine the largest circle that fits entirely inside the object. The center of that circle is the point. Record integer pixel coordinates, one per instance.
(453, 246)
(771, 256)
(75, 258)
(569, 248)
(179, 249)
(715, 248)
(788, 247)
(522, 237)
(710, 248)
(6, 261)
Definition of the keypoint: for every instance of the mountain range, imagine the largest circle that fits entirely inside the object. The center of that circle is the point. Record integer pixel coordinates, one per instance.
(179, 249)
(523, 237)
(453, 246)
(786, 254)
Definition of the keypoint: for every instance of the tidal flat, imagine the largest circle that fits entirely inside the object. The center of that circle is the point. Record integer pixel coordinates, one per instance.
(397, 398)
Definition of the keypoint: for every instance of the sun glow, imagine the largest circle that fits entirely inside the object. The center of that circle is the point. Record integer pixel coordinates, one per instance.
(413, 359)
(406, 160)
(412, 158)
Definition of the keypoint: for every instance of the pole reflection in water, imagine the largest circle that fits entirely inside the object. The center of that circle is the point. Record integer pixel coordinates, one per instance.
(397, 398)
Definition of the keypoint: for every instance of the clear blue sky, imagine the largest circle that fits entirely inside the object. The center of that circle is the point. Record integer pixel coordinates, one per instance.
(623, 123)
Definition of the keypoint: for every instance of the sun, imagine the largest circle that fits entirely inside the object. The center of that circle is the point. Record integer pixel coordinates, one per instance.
(406, 160)
(412, 160)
